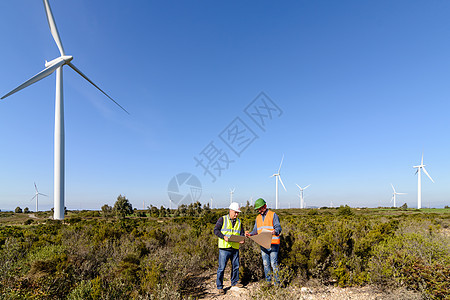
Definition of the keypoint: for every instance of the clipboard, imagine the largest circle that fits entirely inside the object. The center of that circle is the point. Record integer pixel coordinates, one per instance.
(236, 238)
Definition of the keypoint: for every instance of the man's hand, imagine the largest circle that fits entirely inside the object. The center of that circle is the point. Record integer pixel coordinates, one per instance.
(241, 242)
(247, 234)
(225, 238)
(273, 232)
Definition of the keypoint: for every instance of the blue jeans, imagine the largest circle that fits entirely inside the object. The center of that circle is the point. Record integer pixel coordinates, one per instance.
(270, 259)
(224, 256)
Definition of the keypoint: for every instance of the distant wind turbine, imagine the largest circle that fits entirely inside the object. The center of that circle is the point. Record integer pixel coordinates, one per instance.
(394, 194)
(36, 196)
(231, 195)
(211, 202)
(302, 201)
(419, 184)
(278, 178)
(50, 67)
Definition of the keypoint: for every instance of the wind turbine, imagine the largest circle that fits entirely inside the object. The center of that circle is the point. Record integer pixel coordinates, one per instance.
(278, 178)
(302, 201)
(50, 67)
(37, 196)
(419, 184)
(231, 195)
(395, 194)
(211, 202)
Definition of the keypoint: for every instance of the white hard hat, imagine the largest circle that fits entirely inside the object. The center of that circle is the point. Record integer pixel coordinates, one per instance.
(235, 206)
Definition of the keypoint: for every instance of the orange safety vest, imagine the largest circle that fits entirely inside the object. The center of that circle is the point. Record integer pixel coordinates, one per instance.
(267, 224)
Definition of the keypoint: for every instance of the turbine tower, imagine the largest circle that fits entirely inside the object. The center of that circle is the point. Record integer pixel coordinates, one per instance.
(395, 194)
(278, 178)
(50, 67)
(302, 201)
(419, 184)
(36, 196)
(231, 195)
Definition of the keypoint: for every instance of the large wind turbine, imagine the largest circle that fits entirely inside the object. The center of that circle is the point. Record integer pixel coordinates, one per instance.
(50, 67)
(419, 184)
(36, 196)
(394, 194)
(278, 177)
(302, 201)
(231, 195)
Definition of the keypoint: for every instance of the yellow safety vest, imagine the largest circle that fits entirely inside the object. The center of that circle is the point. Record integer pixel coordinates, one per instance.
(228, 230)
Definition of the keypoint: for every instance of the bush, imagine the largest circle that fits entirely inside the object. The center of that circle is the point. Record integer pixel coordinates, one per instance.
(345, 211)
(144, 258)
(415, 260)
(122, 207)
(28, 222)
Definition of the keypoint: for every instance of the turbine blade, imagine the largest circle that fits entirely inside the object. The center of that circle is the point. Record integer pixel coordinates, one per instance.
(421, 162)
(33, 197)
(90, 81)
(401, 193)
(43, 194)
(298, 186)
(282, 183)
(41, 75)
(280, 164)
(393, 188)
(52, 25)
(35, 187)
(427, 174)
(306, 187)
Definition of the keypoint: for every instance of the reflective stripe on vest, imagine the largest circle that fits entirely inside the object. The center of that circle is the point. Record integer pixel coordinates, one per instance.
(267, 224)
(228, 230)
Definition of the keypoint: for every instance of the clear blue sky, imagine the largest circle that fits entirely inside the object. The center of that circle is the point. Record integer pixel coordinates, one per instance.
(363, 87)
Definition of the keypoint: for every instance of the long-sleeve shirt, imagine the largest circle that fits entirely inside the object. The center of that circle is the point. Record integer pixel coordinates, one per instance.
(276, 224)
(219, 224)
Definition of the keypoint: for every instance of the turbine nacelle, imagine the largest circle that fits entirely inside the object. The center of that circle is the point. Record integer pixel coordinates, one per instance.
(65, 58)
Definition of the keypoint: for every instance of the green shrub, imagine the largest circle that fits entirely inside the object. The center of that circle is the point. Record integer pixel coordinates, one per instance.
(415, 260)
(345, 211)
(144, 258)
(28, 222)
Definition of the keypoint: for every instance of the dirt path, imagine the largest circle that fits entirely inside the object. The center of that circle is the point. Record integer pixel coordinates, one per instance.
(254, 291)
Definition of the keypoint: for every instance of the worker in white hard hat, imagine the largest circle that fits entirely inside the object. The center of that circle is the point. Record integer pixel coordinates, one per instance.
(227, 226)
